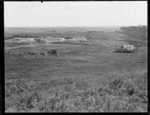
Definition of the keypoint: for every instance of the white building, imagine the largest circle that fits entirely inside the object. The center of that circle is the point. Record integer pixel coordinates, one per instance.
(20, 39)
(79, 39)
(128, 47)
(52, 39)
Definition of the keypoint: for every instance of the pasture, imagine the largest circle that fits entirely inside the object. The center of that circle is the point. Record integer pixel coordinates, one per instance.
(87, 77)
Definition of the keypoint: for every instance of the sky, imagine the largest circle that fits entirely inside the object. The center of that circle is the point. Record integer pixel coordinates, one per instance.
(89, 13)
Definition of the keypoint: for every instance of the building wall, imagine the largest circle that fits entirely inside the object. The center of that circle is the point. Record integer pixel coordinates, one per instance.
(128, 47)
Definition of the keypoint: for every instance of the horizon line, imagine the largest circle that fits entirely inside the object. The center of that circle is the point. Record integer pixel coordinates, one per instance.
(67, 26)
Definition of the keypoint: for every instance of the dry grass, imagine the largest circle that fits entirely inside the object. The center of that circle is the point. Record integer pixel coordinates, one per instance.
(70, 95)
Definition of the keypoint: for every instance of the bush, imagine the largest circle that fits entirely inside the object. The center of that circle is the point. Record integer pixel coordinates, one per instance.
(116, 84)
(119, 50)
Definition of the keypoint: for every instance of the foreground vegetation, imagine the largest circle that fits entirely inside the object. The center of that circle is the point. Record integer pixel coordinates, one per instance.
(77, 95)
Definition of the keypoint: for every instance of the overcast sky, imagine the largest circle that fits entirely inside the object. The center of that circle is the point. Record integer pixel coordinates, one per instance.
(92, 13)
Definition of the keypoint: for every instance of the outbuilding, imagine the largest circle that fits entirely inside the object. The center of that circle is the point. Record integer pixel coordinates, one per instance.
(128, 47)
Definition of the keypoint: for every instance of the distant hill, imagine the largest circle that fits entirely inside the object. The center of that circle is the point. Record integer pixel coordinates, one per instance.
(10, 32)
(35, 30)
(139, 32)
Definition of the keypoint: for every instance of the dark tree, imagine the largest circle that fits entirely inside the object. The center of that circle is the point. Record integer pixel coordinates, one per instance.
(52, 52)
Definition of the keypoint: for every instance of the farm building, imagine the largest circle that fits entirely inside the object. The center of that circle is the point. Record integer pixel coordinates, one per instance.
(76, 39)
(52, 39)
(79, 39)
(128, 47)
(20, 39)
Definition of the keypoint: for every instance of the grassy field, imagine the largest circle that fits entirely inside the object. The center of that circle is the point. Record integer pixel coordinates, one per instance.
(87, 77)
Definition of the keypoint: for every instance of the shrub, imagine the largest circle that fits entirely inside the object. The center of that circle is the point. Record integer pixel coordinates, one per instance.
(116, 84)
(119, 50)
(82, 85)
(33, 100)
